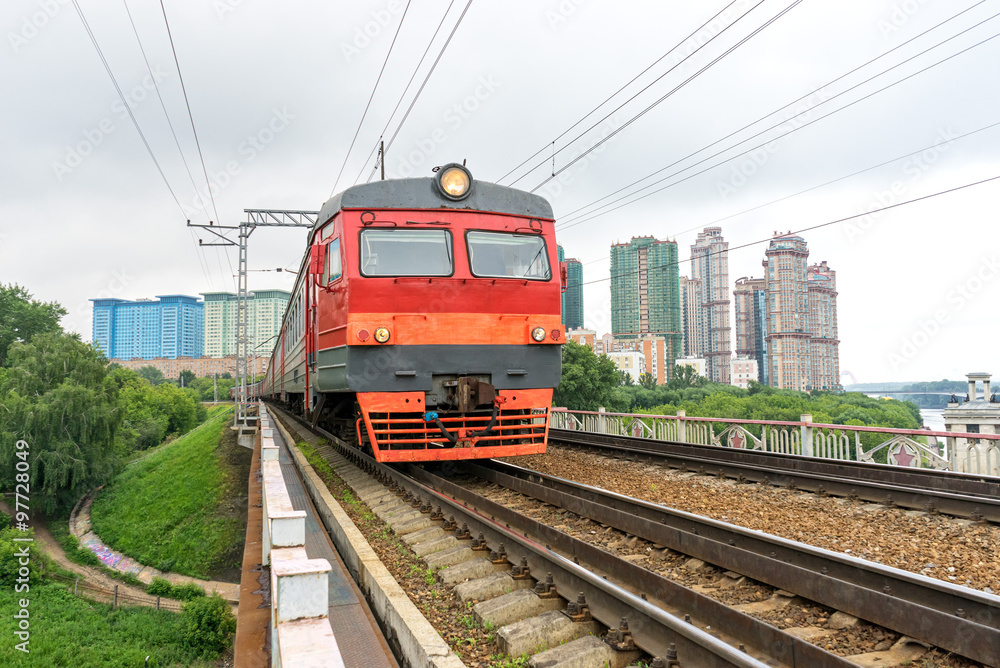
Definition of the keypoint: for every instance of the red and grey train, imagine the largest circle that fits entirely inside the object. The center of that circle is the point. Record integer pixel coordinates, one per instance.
(425, 320)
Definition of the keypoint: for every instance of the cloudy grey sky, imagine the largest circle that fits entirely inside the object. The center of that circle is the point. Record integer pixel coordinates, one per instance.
(277, 91)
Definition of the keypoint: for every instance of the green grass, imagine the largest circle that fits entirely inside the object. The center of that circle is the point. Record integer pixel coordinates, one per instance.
(70, 631)
(320, 465)
(172, 509)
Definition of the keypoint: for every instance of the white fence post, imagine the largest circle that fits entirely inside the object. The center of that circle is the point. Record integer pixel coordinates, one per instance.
(682, 426)
(807, 435)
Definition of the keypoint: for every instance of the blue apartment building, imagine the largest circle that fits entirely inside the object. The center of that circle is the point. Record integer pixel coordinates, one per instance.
(170, 326)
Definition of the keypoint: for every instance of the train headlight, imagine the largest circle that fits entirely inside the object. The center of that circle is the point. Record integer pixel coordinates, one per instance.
(454, 181)
(382, 334)
(538, 334)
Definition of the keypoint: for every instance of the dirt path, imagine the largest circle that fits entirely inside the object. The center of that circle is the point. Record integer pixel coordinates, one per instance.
(90, 574)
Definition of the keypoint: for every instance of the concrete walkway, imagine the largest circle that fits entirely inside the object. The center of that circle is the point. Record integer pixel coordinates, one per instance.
(80, 526)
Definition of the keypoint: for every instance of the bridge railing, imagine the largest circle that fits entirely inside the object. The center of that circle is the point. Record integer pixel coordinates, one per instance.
(942, 450)
(300, 628)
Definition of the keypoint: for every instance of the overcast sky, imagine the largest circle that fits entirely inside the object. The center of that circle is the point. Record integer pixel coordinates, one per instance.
(277, 91)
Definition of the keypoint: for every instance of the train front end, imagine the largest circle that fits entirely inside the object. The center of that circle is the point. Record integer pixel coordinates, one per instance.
(449, 318)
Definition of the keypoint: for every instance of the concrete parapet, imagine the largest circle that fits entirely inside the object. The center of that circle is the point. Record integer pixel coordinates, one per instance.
(415, 640)
(307, 643)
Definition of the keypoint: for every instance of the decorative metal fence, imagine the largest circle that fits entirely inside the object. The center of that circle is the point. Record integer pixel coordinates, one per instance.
(947, 450)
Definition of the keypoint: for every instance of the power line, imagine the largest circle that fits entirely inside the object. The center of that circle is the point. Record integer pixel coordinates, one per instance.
(188, 105)
(128, 108)
(596, 214)
(822, 185)
(426, 78)
(642, 113)
(631, 81)
(202, 261)
(162, 105)
(569, 217)
(370, 98)
(808, 229)
(403, 95)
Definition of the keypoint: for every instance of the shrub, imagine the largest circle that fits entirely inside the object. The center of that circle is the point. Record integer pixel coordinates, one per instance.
(184, 592)
(160, 587)
(187, 592)
(209, 624)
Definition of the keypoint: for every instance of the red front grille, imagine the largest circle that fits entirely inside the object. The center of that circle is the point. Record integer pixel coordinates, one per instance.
(408, 437)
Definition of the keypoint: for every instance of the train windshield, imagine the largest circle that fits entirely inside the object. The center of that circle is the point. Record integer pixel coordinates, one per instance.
(392, 252)
(500, 255)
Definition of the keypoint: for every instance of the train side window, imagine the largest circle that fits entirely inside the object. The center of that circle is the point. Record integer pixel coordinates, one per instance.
(333, 268)
(505, 255)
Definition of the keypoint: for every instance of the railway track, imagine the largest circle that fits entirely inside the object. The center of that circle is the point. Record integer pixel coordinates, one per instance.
(667, 619)
(965, 495)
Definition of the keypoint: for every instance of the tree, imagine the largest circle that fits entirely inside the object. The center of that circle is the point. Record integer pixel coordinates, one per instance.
(685, 376)
(625, 378)
(21, 317)
(186, 377)
(648, 381)
(152, 374)
(57, 397)
(588, 381)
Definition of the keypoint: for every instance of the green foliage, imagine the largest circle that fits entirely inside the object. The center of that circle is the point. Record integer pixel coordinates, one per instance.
(71, 631)
(12, 559)
(186, 376)
(184, 592)
(152, 375)
(57, 397)
(169, 509)
(160, 587)
(22, 318)
(647, 381)
(154, 412)
(187, 592)
(588, 381)
(209, 624)
(685, 376)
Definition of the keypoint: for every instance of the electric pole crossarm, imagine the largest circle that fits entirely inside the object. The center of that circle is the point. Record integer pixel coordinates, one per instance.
(281, 218)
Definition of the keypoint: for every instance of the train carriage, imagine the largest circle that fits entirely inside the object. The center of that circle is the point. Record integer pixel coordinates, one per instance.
(425, 321)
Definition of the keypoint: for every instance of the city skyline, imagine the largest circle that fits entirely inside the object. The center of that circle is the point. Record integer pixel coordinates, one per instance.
(785, 324)
(183, 326)
(272, 137)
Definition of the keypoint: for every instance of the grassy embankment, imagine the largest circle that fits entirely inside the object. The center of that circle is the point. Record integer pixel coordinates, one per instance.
(183, 507)
(70, 631)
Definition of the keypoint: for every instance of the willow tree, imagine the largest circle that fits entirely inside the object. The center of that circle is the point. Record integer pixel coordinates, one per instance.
(55, 394)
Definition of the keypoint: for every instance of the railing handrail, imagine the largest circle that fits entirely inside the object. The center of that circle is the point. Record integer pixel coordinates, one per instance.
(779, 423)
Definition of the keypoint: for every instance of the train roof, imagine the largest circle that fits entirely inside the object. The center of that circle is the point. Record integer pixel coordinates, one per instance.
(421, 193)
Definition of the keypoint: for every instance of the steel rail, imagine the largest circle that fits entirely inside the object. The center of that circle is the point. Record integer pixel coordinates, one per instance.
(959, 494)
(958, 619)
(655, 617)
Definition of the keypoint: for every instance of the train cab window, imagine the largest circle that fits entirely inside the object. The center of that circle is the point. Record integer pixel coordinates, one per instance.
(501, 255)
(392, 252)
(333, 268)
